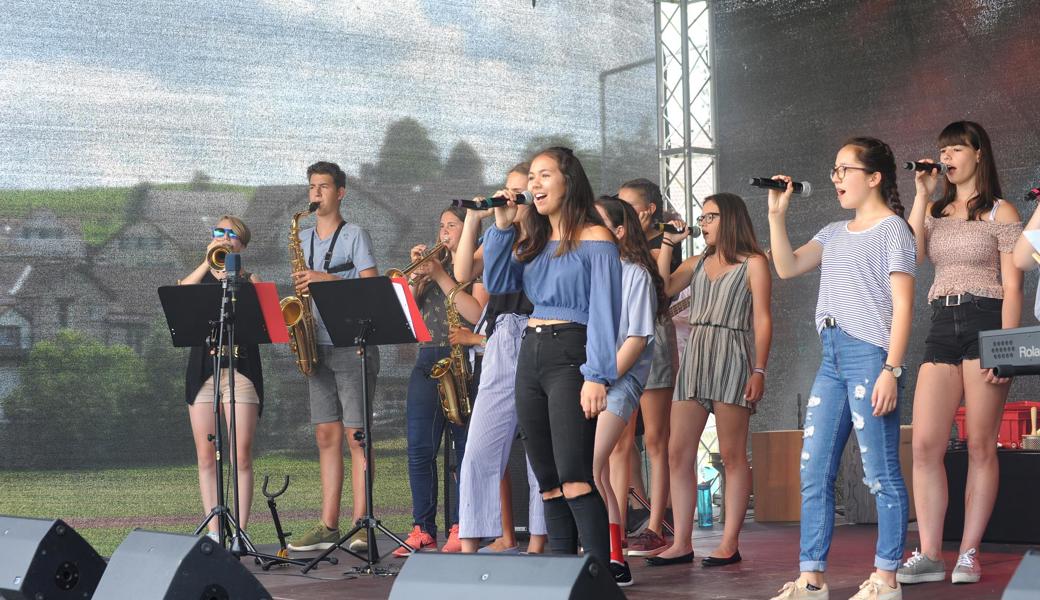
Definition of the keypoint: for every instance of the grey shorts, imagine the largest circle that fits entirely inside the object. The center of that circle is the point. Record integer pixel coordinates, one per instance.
(665, 356)
(335, 385)
(623, 397)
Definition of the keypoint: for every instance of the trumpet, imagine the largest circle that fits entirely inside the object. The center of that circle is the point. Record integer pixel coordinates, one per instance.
(394, 273)
(216, 257)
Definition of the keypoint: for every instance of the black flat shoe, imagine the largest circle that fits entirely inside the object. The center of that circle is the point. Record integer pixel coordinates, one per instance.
(657, 561)
(711, 561)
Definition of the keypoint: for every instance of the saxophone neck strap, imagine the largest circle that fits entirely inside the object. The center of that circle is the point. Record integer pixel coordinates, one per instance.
(328, 255)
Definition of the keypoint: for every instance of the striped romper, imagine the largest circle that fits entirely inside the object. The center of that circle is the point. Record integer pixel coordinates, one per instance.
(717, 359)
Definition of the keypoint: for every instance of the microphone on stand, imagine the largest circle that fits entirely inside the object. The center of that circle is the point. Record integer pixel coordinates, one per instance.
(233, 267)
(800, 187)
(669, 228)
(943, 168)
(525, 197)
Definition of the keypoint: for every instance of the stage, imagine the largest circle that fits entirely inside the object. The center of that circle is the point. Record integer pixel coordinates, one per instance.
(770, 559)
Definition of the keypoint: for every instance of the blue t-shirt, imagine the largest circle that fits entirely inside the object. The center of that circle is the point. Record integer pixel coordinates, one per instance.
(353, 250)
(582, 286)
(855, 288)
(638, 305)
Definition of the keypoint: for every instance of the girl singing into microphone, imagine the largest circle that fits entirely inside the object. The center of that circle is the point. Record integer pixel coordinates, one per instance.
(730, 316)
(863, 314)
(969, 233)
(567, 357)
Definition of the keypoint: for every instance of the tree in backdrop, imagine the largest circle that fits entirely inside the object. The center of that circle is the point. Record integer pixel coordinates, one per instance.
(407, 156)
(465, 168)
(74, 405)
(200, 182)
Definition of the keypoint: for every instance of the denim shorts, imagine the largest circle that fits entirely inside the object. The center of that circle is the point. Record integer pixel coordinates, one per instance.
(623, 396)
(954, 336)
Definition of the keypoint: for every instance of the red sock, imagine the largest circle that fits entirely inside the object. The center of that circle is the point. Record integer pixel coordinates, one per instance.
(615, 544)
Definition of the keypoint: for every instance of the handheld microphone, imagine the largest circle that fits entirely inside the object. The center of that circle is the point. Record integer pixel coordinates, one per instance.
(525, 197)
(923, 166)
(800, 187)
(669, 228)
(1033, 194)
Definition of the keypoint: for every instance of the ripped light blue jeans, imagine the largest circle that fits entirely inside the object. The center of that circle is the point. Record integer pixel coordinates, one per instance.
(839, 404)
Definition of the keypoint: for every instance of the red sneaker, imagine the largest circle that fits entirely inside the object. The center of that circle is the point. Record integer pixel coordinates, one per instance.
(418, 540)
(647, 543)
(453, 544)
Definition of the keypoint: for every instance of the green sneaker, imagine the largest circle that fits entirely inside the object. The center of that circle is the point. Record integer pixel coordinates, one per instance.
(319, 538)
(359, 542)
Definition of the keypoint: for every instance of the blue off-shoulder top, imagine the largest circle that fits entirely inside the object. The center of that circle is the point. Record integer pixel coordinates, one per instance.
(582, 286)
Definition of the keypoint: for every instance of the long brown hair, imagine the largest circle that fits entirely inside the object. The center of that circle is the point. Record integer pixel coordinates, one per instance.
(736, 234)
(633, 247)
(578, 210)
(987, 182)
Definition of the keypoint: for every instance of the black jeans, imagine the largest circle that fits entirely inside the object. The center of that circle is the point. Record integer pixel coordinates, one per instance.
(558, 438)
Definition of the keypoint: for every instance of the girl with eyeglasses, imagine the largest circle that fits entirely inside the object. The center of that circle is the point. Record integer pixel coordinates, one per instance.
(231, 233)
(567, 263)
(969, 233)
(730, 317)
(863, 314)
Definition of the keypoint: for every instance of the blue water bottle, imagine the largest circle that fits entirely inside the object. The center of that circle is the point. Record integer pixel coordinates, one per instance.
(704, 509)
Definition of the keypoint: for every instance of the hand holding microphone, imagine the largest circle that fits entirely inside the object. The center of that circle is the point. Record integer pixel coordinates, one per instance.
(780, 189)
(926, 175)
(676, 231)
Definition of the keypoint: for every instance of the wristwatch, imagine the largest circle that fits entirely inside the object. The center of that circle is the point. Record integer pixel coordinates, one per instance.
(896, 372)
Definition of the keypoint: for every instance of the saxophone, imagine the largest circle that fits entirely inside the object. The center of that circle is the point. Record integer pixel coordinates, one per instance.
(296, 310)
(452, 374)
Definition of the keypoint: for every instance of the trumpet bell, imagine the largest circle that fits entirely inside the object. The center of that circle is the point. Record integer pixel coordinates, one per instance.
(217, 257)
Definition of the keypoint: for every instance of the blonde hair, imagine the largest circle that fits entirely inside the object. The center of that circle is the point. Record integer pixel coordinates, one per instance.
(238, 227)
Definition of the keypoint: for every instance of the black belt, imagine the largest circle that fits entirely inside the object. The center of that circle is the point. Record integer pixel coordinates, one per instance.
(829, 322)
(954, 300)
(554, 328)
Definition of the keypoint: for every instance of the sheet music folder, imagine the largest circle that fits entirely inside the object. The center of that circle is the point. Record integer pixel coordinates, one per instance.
(345, 303)
(189, 310)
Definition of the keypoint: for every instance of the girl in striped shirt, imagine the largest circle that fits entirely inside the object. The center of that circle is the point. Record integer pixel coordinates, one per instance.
(863, 314)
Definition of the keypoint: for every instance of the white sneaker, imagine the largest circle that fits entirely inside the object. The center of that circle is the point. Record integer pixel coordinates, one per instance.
(213, 536)
(968, 569)
(797, 590)
(875, 588)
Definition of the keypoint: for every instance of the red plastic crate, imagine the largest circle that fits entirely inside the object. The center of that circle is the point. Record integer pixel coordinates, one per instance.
(1013, 425)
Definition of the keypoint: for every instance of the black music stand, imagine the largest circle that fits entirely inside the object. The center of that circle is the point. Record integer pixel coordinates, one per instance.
(218, 316)
(363, 312)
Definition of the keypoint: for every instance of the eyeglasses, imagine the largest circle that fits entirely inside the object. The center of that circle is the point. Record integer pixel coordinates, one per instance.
(221, 232)
(707, 218)
(838, 172)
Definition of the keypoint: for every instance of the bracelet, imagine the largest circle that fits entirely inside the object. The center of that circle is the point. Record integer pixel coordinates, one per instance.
(757, 370)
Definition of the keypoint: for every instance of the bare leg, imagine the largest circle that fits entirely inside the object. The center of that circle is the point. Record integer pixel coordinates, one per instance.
(609, 428)
(731, 424)
(246, 416)
(330, 464)
(985, 405)
(201, 416)
(620, 468)
(656, 407)
(936, 398)
(357, 472)
(687, 424)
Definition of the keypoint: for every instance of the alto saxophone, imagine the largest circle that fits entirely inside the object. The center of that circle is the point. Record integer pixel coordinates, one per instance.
(452, 374)
(296, 310)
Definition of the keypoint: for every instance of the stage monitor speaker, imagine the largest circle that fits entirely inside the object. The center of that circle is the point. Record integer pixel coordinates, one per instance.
(165, 566)
(504, 577)
(45, 558)
(1025, 583)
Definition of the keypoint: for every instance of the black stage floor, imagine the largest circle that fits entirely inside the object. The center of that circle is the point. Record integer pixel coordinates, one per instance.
(770, 555)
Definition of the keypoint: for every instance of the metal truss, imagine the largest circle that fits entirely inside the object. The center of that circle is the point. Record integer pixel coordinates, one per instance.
(685, 103)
